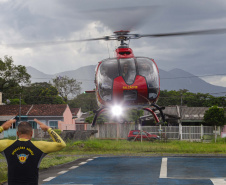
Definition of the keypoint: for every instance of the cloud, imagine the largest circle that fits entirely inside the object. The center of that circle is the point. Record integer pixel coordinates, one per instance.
(36, 21)
(216, 80)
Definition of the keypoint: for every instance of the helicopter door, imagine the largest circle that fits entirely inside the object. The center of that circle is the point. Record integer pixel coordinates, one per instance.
(148, 69)
(108, 70)
(128, 70)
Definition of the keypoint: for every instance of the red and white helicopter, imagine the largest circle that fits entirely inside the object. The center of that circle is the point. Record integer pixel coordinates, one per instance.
(127, 81)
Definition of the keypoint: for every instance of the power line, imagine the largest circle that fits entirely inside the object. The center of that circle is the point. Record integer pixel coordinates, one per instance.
(194, 76)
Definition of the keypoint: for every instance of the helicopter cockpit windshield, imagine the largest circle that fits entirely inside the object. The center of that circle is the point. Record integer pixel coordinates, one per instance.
(148, 69)
(128, 70)
(107, 72)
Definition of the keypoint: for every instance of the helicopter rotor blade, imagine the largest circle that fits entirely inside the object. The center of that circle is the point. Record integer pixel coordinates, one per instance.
(199, 32)
(48, 43)
(117, 37)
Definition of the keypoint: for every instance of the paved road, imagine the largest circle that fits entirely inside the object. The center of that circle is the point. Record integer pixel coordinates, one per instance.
(139, 171)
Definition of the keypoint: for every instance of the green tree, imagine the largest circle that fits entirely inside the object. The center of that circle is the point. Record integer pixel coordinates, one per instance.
(11, 77)
(102, 118)
(87, 102)
(15, 101)
(41, 93)
(67, 87)
(132, 115)
(214, 116)
(167, 98)
(184, 97)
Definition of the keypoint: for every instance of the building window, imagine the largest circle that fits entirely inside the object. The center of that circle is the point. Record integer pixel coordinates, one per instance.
(33, 124)
(53, 124)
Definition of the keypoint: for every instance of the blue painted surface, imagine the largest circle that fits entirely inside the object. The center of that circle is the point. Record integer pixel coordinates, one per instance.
(113, 171)
(183, 182)
(144, 171)
(196, 167)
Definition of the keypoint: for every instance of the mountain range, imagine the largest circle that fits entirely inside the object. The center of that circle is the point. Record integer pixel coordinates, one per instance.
(169, 80)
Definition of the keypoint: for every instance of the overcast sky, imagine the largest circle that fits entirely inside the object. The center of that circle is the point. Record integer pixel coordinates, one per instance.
(34, 21)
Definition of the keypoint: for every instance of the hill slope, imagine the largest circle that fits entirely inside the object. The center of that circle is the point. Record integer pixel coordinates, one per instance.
(169, 80)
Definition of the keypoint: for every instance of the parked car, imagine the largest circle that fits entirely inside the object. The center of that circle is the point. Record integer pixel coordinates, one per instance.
(136, 136)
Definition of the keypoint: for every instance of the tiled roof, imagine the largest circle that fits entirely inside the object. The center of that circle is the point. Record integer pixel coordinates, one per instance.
(186, 113)
(85, 115)
(34, 110)
(47, 110)
(171, 111)
(74, 111)
(6, 110)
(193, 113)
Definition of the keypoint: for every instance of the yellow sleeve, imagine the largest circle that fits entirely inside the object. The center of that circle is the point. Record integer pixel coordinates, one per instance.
(1, 129)
(48, 147)
(5, 142)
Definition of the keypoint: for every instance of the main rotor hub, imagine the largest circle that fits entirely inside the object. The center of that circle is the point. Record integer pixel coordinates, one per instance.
(123, 36)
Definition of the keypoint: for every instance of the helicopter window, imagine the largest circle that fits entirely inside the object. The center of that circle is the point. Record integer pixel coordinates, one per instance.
(128, 70)
(125, 53)
(148, 69)
(108, 70)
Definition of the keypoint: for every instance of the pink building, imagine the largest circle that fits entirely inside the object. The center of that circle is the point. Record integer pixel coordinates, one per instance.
(57, 116)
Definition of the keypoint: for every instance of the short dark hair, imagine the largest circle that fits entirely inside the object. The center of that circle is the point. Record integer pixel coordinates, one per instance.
(24, 128)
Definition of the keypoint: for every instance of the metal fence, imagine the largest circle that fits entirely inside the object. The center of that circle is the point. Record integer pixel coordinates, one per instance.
(196, 132)
(170, 132)
(113, 131)
(120, 131)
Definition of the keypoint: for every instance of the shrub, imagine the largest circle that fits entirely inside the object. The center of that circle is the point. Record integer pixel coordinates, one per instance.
(58, 131)
(208, 137)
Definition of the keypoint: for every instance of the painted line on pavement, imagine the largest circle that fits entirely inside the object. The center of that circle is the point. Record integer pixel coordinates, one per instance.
(73, 167)
(82, 163)
(49, 179)
(62, 172)
(163, 171)
(89, 159)
(218, 181)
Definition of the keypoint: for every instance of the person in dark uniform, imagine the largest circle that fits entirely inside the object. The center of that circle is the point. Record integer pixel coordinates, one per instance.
(23, 155)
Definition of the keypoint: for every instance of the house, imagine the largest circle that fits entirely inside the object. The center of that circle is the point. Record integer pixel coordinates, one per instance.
(57, 116)
(192, 115)
(76, 112)
(179, 115)
(80, 122)
(13, 111)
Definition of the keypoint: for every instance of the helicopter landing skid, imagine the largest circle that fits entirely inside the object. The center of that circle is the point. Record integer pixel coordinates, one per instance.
(97, 113)
(152, 111)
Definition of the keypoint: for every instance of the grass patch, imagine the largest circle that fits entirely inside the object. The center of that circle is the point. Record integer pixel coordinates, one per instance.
(3, 172)
(124, 147)
(53, 160)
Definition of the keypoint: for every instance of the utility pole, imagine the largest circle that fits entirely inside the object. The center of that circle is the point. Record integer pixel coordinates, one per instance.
(181, 99)
(20, 109)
